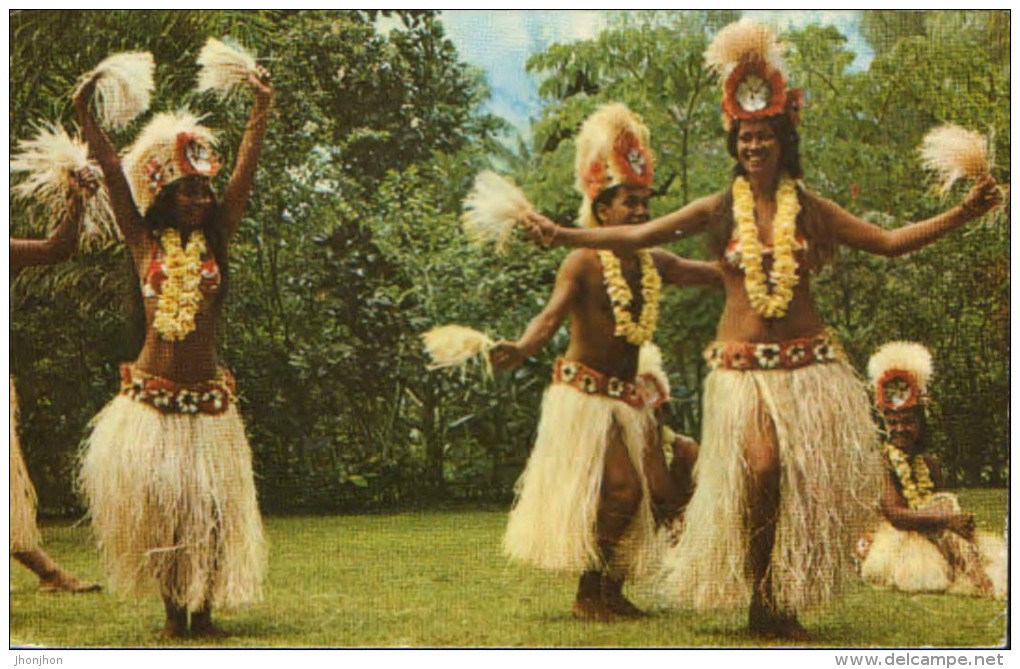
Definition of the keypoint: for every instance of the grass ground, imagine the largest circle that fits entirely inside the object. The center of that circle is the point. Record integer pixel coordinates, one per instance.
(437, 579)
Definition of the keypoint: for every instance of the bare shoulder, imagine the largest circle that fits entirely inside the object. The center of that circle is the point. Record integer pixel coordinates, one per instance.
(580, 260)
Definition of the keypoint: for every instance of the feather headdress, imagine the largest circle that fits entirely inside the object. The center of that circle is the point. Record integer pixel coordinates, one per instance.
(492, 209)
(224, 66)
(954, 153)
(457, 346)
(900, 372)
(748, 57)
(124, 85)
(612, 150)
(743, 41)
(51, 159)
(171, 146)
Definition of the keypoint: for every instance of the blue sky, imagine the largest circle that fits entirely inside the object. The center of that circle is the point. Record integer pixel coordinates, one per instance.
(500, 41)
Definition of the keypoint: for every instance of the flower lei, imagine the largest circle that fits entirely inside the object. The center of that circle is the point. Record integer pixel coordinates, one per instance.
(913, 473)
(180, 297)
(621, 296)
(783, 276)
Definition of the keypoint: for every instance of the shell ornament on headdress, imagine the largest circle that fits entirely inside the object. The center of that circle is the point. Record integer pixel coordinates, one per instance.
(749, 59)
(900, 372)
(612, 150)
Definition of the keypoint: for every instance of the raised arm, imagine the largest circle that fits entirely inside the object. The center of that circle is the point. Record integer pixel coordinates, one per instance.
(510, 354)
(235, 198)
(852, 231)
(690, 220)
(678, 271)
(125, 212)
(61, 242)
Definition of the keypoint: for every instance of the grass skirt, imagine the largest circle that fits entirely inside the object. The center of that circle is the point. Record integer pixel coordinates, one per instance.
(553, 522)
(172, 501)
(912, 562)
(24, 532)
(830, 480)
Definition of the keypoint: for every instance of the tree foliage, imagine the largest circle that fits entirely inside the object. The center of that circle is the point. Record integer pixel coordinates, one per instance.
(351, 247)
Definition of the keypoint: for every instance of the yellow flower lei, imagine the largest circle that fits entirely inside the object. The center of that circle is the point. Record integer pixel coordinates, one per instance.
(620, 297)
(180, 297)
(783, 276)
(913, 473)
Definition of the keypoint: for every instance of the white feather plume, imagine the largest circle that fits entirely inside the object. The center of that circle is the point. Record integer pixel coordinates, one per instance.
(954, 153)
(123, 88)
(650, 362)
(491, 210)
(49, 159)
(457, 346)
(223, 66)
(908, 356)
(744, 40)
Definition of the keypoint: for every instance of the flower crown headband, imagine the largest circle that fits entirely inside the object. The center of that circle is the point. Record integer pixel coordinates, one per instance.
(749, 59)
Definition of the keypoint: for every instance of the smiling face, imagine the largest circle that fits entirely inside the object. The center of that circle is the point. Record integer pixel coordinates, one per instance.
(193, 201)
(904, 429)
(758, 149)
(628, 206)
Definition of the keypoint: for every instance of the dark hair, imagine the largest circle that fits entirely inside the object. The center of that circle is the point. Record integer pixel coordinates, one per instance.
(603, 198)
(822, 245)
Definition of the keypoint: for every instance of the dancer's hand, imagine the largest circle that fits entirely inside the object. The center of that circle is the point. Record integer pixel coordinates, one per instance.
(538, 228)
(962, 524)
(260, 82)
(506, 355)
(84, 183)
(983, 197)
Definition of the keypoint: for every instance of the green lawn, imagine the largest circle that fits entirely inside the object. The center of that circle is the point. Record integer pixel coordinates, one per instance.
(438, 579)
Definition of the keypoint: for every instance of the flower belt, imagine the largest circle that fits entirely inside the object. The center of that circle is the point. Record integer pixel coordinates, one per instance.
(644, 394)
(206, 397)
(791, 354)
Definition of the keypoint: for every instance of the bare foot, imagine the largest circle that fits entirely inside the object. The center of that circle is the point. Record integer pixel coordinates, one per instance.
(789, 628)
(173, 629)
(61, 581)
(202, 626)
(592, 610)
(612, 595)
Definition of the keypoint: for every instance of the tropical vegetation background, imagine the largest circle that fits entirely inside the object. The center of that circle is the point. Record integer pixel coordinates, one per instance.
(351, 246)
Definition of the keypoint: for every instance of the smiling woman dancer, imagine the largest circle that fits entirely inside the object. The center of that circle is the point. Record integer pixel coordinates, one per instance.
(167, 470)
(788, 467)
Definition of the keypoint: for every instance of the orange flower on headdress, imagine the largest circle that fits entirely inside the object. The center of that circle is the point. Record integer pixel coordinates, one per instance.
(741, 83)
(594, 178)
(632, 160)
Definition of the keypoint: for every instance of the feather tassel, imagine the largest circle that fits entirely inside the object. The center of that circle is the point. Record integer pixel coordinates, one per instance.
(491, 210)
(224, 67)
(123, 88)
(457, 346)
(954, 153)
(744, 40)
(50, 159)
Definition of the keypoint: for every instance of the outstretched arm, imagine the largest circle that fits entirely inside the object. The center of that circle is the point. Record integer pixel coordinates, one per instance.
(679, 271)
(854, 232)
(235, 198)
(61, 242)
(690, 220)
(125, 212)
(510, 354)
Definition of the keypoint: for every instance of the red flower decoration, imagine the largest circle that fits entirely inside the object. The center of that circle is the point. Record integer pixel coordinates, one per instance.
(632, 160)
(594, 178)
(914, 393)
(777, 89)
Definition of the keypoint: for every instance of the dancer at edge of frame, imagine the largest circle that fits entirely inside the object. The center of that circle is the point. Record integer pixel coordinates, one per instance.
(925, 542)
(58, 174)
(789, 468)
(596, 482)
(167, 469)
